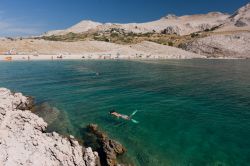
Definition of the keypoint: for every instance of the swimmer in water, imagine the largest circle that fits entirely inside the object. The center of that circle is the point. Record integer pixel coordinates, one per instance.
(118, 115)
(125, 117)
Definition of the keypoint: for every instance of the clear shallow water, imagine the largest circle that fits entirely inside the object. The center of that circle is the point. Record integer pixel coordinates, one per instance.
(192, 112)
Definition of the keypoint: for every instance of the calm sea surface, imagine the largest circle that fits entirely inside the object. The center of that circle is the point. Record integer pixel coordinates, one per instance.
(191, 112)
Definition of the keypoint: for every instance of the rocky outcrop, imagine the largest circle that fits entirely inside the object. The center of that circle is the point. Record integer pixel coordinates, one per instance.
(234, 45)
(171, 30)
(239, 20)
(108, 149)
(23, 140)
(230, 40)
(241, 17)
(203, 27)
(240, 23)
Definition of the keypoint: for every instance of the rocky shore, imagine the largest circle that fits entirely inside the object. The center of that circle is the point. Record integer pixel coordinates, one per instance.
(24, 141)
(107, 148)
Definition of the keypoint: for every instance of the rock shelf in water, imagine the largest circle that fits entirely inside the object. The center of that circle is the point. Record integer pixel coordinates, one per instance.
(108, 149)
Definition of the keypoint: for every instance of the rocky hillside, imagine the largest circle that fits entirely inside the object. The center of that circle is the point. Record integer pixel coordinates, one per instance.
(23, 140)
(240, 20)
(231, 40)
(169, 24)
(229, 45)
(241, 17)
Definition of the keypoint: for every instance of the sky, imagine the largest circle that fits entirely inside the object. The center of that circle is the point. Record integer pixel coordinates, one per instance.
(34, 17)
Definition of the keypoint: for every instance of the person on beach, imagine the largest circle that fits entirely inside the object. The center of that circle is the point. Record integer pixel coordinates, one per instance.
(125, 117)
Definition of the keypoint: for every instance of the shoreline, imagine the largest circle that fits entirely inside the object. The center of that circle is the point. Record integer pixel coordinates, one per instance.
(27, 57)
(34, 145)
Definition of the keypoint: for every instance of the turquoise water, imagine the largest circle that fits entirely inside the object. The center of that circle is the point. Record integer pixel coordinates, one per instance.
(191, 112)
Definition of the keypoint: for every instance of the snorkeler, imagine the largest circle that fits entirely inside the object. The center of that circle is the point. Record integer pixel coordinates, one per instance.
(125, 117)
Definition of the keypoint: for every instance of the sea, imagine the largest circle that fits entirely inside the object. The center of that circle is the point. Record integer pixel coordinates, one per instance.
(191, 112)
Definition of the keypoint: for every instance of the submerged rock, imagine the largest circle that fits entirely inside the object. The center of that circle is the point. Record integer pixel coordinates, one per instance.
(56, 119)
(109, 149)
(23, 140)
(45, 111)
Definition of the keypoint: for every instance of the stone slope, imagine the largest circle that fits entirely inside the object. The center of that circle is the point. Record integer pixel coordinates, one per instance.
(168, 52)
(233, 45)
(182, 25)
(239, 20)
(241, 17)
(23, 140)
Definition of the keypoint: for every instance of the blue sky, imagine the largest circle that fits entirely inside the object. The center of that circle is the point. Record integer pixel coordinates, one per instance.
(27, 17)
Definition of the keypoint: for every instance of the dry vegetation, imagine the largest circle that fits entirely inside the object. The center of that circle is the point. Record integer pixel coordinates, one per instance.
(121, 37)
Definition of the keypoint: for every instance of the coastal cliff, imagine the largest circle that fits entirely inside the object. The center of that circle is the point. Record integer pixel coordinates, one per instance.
(23, 140)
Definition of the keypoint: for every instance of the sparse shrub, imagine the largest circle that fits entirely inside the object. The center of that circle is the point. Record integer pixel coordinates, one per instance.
(215, 27)
(182, 45)
(106, 39)
(130, 34)
(170, 43)
(114, 35)
(194, 35)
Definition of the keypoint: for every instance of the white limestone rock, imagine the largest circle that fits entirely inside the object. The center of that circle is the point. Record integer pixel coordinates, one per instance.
(23, 140)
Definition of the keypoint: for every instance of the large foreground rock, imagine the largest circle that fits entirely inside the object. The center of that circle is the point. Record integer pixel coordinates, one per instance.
(23, 140)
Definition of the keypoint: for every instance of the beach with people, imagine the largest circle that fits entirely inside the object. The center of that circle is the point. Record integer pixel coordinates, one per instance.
(47, 50)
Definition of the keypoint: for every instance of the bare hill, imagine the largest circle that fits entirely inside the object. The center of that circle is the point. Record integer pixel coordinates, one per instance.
(170, 24)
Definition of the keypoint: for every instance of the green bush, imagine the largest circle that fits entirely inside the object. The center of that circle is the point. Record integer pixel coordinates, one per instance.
(114, 35)
(170, 43)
